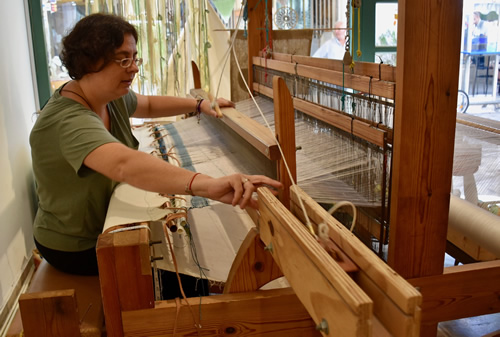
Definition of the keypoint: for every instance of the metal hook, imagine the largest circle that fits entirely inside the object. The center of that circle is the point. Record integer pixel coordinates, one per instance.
(380, 68)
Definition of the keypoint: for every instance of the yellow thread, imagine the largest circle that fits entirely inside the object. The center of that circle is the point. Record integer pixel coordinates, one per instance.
(358, 52)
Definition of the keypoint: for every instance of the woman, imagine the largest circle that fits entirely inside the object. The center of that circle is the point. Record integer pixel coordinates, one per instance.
(82, 145)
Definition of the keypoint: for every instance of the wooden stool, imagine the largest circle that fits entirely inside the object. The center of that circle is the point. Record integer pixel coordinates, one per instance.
(58, 304)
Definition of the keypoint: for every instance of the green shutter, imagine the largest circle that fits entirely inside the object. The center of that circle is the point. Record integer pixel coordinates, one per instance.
(39, 51)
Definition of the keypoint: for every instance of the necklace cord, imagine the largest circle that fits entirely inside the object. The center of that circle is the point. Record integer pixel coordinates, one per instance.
(77, 94)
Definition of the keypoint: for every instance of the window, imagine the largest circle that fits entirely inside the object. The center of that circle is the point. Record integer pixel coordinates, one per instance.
(386, 32)
(58, 18)
(287, 14)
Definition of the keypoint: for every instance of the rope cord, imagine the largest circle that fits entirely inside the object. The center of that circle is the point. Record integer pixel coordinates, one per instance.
(342, 99)
(228, 52)
(169, 221)
(294, 185)
(323, 227)
(196, 323)
(194, 255)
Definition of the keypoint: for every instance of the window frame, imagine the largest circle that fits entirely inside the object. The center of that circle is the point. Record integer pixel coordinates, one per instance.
(368, 48)
(39, 51)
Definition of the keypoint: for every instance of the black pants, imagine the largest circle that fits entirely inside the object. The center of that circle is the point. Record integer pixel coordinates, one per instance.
(85, 263)
(192, 286)
(79, 263)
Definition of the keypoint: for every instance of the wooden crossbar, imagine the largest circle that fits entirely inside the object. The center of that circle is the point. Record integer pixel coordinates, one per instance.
(357, 82)
(383, 72)
(261, 313)
(461, 291)
(253, 132)
(327, 292)
(350, 124)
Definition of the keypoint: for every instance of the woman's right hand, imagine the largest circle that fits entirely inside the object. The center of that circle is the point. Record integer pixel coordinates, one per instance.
(237, 189)
(209, 109)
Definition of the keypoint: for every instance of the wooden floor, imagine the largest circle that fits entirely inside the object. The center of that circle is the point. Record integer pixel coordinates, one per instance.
(481, 326)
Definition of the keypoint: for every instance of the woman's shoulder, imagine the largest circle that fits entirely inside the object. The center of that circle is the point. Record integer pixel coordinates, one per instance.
(61, 109)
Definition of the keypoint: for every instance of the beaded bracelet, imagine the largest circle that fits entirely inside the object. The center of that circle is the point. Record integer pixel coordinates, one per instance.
(198, 109)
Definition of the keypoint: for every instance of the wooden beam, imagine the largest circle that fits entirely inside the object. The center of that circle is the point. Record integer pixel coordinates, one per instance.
(383, 72)
(387, 312)
(125, 275)
(348, 123)
(263, 313)
(341, 78)
(257, 30)
(50, 314)
(252, 268)
(256, 134)
(284, 126)
(343, 122)
(196, 75)
(395, 301)
(479, 123)
(462, 291)
(262, 89)
(109, 280)
(324, 289)
(402, 293)
(427, 77)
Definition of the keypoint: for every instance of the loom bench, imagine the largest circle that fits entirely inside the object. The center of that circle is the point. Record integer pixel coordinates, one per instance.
(58, 304)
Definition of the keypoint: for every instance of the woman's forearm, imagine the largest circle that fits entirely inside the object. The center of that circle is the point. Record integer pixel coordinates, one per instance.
(144, 171)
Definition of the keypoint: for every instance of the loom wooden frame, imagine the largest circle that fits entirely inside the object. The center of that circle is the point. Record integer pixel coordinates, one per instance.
(425, 117)
(343, 301)
(362, 303)
(374, 133)
(417, 243)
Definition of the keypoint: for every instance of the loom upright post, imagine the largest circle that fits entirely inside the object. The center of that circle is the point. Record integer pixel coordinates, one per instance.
(257, 31)
(125, 275)
(196, 75)
(426, 95)
(285, 133)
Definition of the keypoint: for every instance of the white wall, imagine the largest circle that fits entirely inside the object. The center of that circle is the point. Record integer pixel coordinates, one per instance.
(17, 104)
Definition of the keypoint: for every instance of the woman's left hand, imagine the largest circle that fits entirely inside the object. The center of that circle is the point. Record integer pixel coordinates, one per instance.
(237, 189)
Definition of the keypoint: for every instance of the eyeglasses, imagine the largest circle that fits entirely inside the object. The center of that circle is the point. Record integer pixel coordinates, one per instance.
(127, 62)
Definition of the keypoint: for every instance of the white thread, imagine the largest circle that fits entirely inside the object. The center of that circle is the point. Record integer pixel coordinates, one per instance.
(129, 228)
(228, 52)
(323, 227)
(294, 185)
(323, 231)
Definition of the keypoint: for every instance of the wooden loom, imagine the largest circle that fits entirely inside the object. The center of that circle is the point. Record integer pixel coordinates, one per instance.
(423, 143)
(418, 218)
(323, 296)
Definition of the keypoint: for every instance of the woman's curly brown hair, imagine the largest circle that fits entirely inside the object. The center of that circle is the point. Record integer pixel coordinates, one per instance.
(93, 39)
